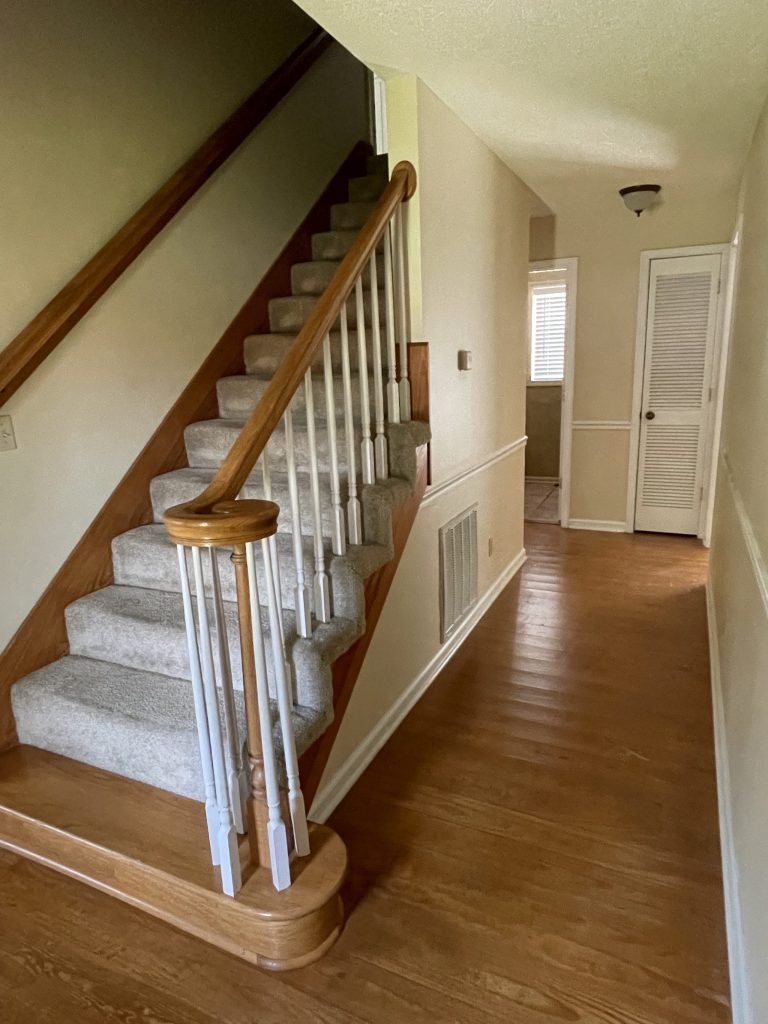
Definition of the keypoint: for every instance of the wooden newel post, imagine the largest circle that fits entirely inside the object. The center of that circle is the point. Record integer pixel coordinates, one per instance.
(258, 812)
(236, 524)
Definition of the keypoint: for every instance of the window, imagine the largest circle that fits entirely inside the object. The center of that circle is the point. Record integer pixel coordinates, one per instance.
(547, 305)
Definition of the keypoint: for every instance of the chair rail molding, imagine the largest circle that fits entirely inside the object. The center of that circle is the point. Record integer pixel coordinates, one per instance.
(436, 490)
(601, 425)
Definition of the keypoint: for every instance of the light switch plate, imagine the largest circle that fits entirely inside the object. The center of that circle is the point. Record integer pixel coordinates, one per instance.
(465, 359)
(7, 437)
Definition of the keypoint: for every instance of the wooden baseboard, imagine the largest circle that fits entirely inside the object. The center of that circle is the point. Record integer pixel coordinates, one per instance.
(93, 826)
(42, 637)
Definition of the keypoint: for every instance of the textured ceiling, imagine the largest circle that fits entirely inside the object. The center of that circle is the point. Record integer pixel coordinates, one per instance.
(582, 95)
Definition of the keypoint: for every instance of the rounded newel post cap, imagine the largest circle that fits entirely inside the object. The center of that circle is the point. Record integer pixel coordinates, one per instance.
(223, 524)
(411, 180)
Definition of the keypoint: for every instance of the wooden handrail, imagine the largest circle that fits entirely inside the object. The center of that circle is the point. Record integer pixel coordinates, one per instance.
(244, 453)
(42, 334)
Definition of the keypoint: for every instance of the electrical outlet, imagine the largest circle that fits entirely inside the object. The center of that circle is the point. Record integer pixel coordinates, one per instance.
(7, 437)
(490, 546)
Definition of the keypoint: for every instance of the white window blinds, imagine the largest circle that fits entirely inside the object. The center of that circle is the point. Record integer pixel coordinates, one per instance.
(547, 331)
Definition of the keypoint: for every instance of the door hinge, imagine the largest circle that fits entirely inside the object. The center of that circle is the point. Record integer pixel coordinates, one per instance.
(718, 285)
(710, 395)
(701, 493)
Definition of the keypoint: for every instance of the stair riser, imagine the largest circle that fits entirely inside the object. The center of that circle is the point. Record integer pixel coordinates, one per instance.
(367, 188)
(209, 441)
(265, 352)
(291, 313)
(350, 216)
(378, 164)
(334, 245)
(169, 491)
(314, 277)
(153, 564)
(143, 644)
(238, 396)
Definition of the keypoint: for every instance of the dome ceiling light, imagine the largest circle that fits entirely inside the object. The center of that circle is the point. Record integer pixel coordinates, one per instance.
(639, 197)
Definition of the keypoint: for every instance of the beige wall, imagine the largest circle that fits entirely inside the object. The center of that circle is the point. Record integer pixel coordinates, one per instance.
(542, 425)
(608, 240)
(473, 269)
(739, 590)
(93, 122)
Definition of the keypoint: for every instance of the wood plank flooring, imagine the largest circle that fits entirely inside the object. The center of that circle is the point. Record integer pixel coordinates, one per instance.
(537, 844)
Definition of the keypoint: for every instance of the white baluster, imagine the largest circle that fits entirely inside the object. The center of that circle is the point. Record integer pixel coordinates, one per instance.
(266, 477)
(321, 590)
(366, 444)
(237, 779)
(338, 531)
(402, 301)
(284, 703)
(277, 836)
(353, 504)
(229, 857)
(380, 445)
(393, 392)
(303, 615)
(201, 718)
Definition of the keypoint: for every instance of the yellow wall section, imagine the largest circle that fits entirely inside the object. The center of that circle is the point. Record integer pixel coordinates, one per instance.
(739, 583)
(608, 240)
(473, 227)
(93, 123)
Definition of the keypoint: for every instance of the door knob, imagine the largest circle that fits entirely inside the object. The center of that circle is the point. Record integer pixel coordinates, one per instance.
(650, 415)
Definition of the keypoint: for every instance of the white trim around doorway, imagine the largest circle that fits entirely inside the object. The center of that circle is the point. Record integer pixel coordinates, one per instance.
(568, 264)
(713, 417)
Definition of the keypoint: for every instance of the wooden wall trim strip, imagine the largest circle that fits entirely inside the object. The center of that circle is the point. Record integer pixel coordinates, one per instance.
(42, 637)
(41, 336)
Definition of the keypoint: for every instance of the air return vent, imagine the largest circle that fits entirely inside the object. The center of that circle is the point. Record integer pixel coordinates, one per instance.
(458, 570)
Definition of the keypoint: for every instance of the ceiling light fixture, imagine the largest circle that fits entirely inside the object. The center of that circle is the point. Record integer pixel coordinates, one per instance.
(639, 197)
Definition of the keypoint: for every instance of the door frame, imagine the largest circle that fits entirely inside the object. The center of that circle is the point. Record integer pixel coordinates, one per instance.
(713, 412)
(570, 264)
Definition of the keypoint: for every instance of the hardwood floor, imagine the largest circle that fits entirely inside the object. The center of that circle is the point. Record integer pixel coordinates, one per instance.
(537, 844)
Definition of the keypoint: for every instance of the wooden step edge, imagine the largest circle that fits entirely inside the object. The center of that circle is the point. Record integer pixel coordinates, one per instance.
(149, 849)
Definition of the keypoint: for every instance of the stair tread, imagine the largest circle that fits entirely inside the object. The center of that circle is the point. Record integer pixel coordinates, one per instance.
(98, 712)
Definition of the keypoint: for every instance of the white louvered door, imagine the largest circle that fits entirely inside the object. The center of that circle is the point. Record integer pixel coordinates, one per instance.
(679, 344)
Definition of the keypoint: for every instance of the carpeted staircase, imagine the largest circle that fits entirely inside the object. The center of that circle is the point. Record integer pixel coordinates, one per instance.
(121, 699)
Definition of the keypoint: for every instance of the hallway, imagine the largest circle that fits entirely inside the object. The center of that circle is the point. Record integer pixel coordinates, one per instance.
(537, 843)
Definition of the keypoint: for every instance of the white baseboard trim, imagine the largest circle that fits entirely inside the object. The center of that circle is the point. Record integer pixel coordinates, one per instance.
(740, 1002)
(606, 525)
(542, 479)
(337, 787)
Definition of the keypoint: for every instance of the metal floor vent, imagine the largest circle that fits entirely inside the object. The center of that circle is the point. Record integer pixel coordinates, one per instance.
(458, 570)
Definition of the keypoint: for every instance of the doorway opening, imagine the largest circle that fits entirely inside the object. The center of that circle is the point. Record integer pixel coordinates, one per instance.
(677, 392)
(549, 392)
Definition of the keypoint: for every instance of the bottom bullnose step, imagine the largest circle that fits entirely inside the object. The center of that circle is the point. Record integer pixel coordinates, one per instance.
(149, 848)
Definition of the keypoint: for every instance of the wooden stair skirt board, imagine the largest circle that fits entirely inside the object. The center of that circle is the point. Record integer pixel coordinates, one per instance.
(149, 848)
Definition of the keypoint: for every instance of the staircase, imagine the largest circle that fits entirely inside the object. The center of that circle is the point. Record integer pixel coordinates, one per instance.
(124, 703)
